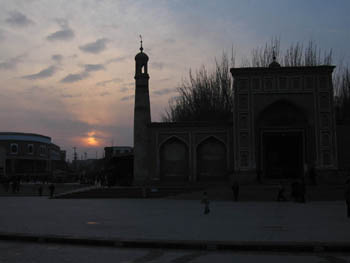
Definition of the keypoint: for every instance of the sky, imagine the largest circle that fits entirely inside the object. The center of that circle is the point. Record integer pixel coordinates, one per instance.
(67, 67)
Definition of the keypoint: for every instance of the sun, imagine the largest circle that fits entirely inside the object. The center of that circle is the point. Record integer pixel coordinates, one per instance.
(90, 140)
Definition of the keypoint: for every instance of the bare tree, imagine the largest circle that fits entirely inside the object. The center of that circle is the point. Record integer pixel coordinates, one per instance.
(263, 56)
(341, 83)
(207, 96)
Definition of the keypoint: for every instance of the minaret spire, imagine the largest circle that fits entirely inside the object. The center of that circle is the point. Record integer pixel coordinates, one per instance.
(141, 48)
(142, 119)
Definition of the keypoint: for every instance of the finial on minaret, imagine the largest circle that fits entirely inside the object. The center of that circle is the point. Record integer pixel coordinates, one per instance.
(141, 48)
(273, 54)
(274, 63)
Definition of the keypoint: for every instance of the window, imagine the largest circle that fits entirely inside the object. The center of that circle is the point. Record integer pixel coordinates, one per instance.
(30, 149)
(14, 148)
(42, 150)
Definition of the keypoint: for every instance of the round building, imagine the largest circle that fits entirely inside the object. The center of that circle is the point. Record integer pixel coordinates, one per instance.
(28, 155)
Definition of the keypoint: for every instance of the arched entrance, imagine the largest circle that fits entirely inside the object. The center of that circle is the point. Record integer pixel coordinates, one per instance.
(281, 144)
(211, 160)
(174, 160)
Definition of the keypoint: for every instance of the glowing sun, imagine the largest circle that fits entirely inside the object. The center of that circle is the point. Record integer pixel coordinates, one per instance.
(90, 140)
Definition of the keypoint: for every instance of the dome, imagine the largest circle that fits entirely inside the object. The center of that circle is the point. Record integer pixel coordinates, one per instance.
(141, 57)
(274, 64)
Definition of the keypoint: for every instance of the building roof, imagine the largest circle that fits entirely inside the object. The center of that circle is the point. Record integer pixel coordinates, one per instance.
(21, 136)
(282, 70)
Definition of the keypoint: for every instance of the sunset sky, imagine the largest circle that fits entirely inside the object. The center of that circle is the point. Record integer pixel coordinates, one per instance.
(67, 67)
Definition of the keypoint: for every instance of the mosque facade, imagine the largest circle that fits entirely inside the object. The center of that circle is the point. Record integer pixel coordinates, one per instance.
(283, 122)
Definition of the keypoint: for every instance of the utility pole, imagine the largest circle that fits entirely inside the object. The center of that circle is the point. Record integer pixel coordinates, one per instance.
(75, 157)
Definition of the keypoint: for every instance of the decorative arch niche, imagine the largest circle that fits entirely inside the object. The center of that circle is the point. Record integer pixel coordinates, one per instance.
(211, 159)
(174, 162)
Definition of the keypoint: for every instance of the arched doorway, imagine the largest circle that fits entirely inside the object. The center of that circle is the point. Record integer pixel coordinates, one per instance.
(174, 160)
(282, 130)
(211, 160)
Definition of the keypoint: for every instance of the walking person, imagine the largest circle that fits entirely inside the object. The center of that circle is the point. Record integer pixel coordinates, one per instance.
(301, 191)
(294, 190)
(280, 194)
(205, 201)
(40, 190)
(258, 175)
(312, 175)
(347, 196)
(235, 190)
(52, 189)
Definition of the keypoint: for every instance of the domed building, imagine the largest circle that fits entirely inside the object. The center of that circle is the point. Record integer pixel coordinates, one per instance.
(28, 154)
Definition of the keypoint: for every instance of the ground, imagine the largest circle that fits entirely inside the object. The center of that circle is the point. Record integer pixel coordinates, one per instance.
(177, 219)
(164, 220)
(43, 253)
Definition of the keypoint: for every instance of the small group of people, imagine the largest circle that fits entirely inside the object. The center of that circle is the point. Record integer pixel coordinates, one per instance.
(14, 183)
(297, 192)
(51, 188)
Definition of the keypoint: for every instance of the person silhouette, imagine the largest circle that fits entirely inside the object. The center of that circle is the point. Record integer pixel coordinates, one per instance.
(205, 201)
(235, 190)
(52, 189)
(280, 194)
(347, 196)
(40, 190)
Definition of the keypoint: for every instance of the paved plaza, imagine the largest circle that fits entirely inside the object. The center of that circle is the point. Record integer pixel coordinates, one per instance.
(55, 253)
(164, 219)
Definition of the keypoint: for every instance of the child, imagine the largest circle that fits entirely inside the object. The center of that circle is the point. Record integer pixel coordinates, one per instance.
(205, 201)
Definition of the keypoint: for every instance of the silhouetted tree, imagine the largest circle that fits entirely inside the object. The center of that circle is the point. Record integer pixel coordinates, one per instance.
(341, 83)
(207, 96)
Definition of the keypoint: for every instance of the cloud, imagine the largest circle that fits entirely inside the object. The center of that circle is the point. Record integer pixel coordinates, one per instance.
(124, 89)
(130, 84)
(64, 34)
(169, 40)
(70, 78)
(163, 91)
(105, 93)
(158, 65)
(164, 79)
(2, 35)
(45, 73)
(11, 63)
(115, 60)
(93, 67)
(104, 83)
(71, 95)
(57, 57)
(18, 19)
(34, 90)
(126, 98)
(95, 47)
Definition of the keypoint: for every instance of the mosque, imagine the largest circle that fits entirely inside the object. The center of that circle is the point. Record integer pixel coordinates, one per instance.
(283, 121)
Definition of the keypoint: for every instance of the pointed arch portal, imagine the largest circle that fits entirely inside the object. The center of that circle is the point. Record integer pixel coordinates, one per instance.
(282, 128)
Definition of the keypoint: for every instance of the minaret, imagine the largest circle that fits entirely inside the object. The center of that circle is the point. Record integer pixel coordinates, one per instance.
(142, 117)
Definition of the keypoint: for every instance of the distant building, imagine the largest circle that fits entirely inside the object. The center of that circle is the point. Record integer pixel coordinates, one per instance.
(29, 154)
(116, 151)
